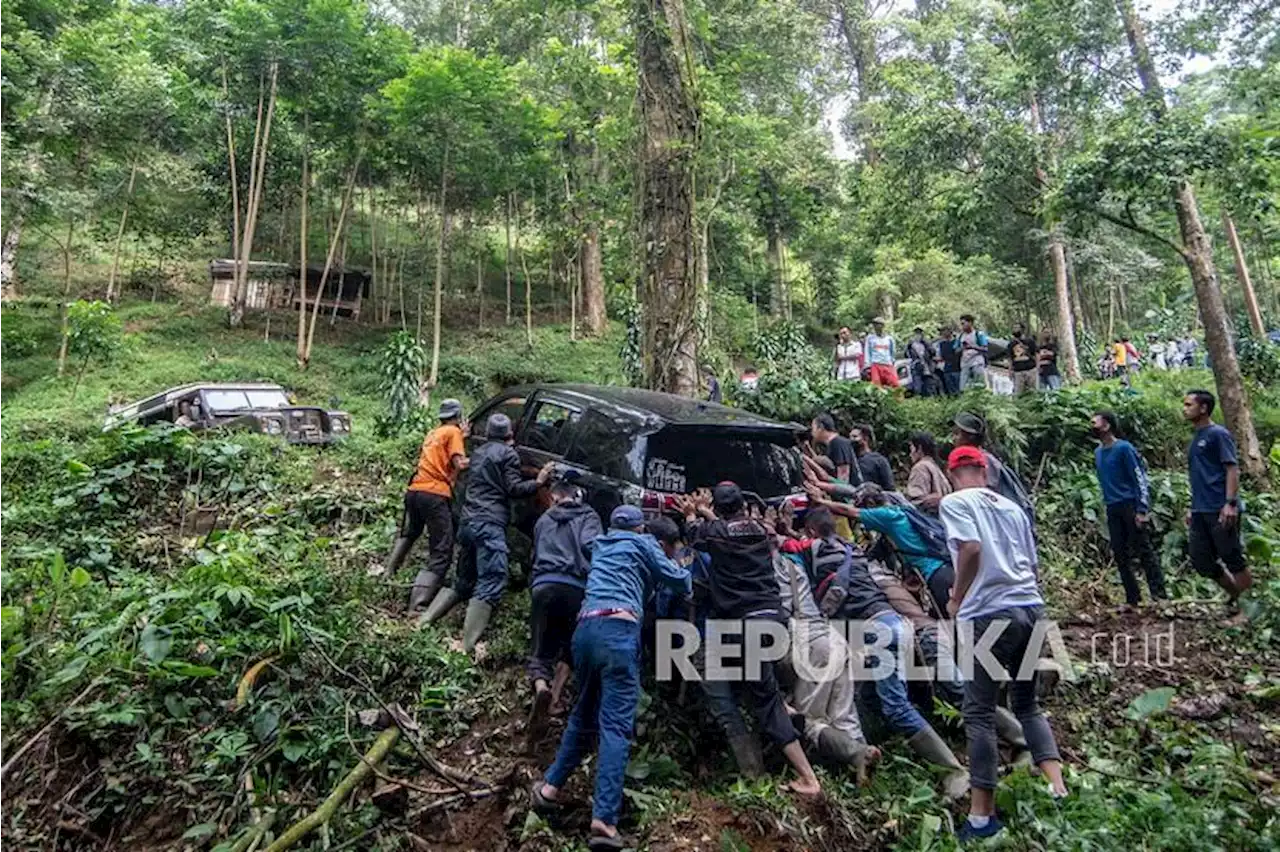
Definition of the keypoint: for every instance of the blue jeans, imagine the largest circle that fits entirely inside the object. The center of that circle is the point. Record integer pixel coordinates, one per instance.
(606, 661)
(482, 563)
(1051, 383)
(951, 383)
(896, 707)
(973, 375)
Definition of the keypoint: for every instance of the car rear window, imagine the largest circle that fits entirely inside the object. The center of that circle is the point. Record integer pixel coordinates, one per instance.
(682, 460)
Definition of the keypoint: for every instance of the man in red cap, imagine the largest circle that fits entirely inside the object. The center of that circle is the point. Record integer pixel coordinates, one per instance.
(994, 553)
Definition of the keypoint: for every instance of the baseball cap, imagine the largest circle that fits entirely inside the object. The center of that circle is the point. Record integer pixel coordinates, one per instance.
(626, 518)
(449, 409)
(499, 427)
(877, 321)
(727, 495)
(966, 457)
(967, 421)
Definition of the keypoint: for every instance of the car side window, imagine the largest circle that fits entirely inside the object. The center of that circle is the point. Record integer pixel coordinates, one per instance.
(549, 429)
(513, 407)
(607, 446)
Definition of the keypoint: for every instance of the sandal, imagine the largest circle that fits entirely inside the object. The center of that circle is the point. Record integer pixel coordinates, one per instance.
(605, 843)
(541, 804)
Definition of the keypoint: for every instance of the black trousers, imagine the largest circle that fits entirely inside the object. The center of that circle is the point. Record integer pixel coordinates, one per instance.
(553, 616)
(434, 514)
(1130, 542)
(1213, 546)
(763, 695)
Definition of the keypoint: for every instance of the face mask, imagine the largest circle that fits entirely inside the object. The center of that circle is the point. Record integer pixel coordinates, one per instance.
(1095, 431)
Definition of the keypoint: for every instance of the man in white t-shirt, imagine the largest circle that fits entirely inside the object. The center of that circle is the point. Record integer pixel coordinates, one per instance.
(848, 357)
(995, 561)
(880, 356)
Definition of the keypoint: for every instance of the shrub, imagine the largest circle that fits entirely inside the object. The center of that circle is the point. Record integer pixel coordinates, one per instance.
(401, 363)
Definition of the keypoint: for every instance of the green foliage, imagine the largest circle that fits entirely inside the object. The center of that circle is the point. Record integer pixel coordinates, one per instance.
(400, 369)
(94, 332)
(1259, 360)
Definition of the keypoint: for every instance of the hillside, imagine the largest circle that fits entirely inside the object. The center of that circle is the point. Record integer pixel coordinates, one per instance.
(190, 630)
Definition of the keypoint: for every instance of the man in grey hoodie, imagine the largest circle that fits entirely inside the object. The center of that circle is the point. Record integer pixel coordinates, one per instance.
(562, 540)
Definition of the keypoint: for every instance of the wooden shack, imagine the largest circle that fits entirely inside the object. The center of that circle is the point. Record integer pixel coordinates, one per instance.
(275, 285)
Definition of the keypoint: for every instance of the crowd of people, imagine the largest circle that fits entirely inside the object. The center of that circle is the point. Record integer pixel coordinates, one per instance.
(952, 549)
(958, 357)
(954, 360)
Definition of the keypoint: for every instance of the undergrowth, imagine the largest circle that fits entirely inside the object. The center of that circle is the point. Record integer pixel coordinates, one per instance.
(146, 572)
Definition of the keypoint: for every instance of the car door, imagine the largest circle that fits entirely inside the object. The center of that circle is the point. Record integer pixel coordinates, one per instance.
(609, 449)
(545, 435)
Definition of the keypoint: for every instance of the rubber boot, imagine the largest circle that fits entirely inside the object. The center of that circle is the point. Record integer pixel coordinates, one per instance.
(425, 586)
(746, 753)
(399, 551)
(836, 746)
(1009, 729)
(440, 606)
(478, 613)
(927, 744)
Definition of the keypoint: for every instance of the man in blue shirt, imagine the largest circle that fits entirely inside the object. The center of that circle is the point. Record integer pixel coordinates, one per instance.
(626, 565)
(1213, 534)
(1125, 491)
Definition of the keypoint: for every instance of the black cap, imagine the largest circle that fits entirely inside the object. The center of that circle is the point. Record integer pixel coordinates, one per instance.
(967, 421)
(726, 495)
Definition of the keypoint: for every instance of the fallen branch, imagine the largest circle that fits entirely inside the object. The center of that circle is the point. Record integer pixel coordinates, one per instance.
(448, 773)
(321, 815)
(13, 759)
(472, 795)
(255, 833)
(382, 776)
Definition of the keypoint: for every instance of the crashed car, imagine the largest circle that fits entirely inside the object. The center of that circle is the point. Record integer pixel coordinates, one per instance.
(250, 406)
(644, 448)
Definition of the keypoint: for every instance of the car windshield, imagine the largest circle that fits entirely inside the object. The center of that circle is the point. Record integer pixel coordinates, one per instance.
(238, 400)
(682, 460)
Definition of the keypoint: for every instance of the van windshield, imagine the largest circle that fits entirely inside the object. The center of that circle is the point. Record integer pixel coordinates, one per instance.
(238, 400)
(682, 460)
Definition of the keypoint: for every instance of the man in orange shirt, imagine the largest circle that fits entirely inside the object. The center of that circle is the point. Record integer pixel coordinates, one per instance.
(427, 504)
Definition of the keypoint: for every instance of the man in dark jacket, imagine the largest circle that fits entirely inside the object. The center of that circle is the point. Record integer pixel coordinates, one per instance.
(562, 540)
(970, 430)
(493, 481)
(744, 587)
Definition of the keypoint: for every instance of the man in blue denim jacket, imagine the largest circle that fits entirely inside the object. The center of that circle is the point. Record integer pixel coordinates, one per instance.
(626, 566)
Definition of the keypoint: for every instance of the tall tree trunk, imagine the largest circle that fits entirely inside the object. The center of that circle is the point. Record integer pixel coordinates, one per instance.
(507, 268)
(255, 202)
(9, 254)
(528, 288)
(1077, 311)
(1057, 260)
(855, 25)
(66, 298)
(773, 248)
(434, 376)
(591, 261)
(591, 258)
(328, 261)
(301, 352)
(1198, 255)
(480, 258)
(376, 297)
(235, 180)
(669, 115)
(1242, 275)
(124, 219)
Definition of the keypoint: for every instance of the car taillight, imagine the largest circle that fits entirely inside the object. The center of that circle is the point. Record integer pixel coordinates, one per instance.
(798, 502)
(657, 501)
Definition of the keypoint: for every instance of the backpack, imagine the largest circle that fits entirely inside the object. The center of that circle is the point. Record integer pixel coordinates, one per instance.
(931, 532)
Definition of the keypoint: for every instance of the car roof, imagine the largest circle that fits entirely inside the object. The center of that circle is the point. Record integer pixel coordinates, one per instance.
(671, 409)
(166, 396)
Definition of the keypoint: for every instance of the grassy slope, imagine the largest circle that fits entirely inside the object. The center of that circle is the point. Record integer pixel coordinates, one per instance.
(302, 525)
